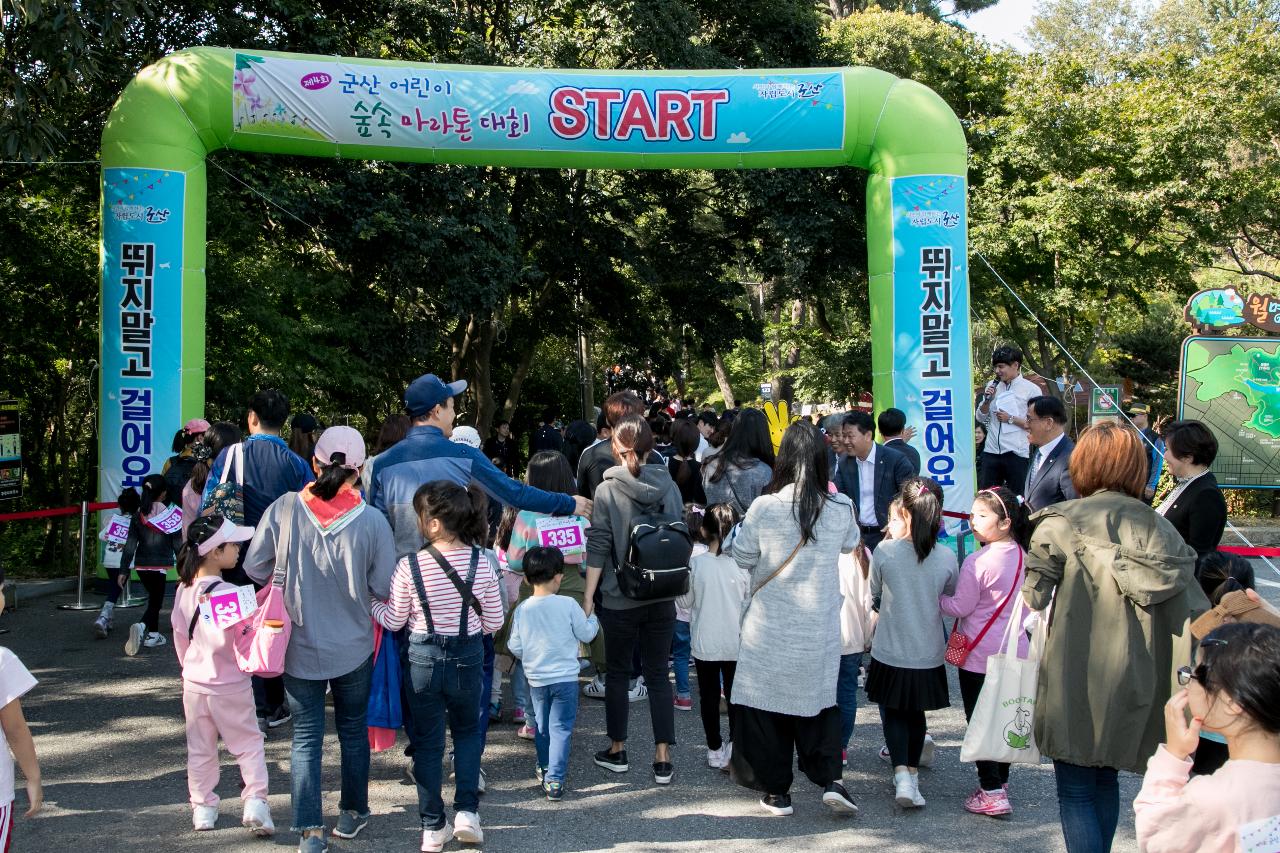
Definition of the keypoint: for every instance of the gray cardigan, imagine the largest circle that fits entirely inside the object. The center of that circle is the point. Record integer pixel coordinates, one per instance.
(739, 486)
(618, 499)
(910, 633)
(789, 656)
(335, 576)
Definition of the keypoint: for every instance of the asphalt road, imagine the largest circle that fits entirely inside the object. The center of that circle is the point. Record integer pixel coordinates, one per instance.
(109, 734)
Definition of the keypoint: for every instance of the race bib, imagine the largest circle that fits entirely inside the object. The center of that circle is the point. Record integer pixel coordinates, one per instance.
(1261, 836)
(228, 605)
(117, 530)
(568, 534)
(168, 521)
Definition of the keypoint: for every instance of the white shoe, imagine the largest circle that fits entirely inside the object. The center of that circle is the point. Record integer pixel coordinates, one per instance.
(638, 692)
(718, 759)
(926, 753)
(102, 626)
(154, 640)
(916, 799)
(728, 755)
(203, 818)
(466, 828)
(137, 632)
(434, 840)
(480, 785)
(594, 689)
(257, 817)
(904, 791)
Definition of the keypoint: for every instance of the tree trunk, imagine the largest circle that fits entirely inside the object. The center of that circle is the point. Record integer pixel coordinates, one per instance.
(517, 379)
(722, 379)
(482, 382)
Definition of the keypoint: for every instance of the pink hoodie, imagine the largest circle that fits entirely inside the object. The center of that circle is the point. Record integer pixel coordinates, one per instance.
(208, 658)
(985, 579)
(1235, 809)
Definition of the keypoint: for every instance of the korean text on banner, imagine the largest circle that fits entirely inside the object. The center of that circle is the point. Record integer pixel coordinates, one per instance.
(407, 107)
(141, 322)
(932, 373)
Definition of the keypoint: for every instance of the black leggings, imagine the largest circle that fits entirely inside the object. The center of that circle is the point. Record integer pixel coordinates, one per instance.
(991, 774)
(904, 735)
(709, 674)
(153, 583)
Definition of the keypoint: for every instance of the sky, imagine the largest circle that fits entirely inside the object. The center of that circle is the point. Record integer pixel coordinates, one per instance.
(1003, 22)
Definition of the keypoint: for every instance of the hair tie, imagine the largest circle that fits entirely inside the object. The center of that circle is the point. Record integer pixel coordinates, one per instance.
(924, 487)
(996, 495)
(696, 510)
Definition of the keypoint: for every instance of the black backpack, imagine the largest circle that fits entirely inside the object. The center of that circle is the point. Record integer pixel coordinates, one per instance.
(657, 560)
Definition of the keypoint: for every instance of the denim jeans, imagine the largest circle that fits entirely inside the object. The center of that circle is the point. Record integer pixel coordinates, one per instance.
(486, 690)
(443, 680)
(350, 710)
(680, 646)
(520, 689)
(847, 695)
(1089, 806)
(555, 707)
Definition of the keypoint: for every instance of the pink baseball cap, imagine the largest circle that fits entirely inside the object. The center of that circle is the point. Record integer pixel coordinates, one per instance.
(195, 426)
(341, 439)
(228, 532)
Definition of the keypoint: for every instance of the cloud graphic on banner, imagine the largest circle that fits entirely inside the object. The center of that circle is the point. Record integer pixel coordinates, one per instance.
(524, 87)
(738, 138)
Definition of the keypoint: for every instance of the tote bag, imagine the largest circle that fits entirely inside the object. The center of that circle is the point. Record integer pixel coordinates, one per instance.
(1001, 729)
(227, 498)
(263, 639)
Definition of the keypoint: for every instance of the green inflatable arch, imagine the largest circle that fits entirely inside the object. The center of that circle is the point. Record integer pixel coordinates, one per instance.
(193, 102)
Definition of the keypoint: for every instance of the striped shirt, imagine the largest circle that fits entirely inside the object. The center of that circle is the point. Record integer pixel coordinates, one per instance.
(442, 596)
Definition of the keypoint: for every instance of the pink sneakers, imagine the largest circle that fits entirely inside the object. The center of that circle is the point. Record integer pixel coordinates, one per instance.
(989, 803)
(684, 703)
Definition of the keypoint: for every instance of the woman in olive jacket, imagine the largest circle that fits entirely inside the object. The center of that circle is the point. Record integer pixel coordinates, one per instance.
(1122, 586)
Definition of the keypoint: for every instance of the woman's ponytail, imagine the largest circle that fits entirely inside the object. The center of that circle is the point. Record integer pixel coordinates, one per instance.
(332, 477)
(632, 443)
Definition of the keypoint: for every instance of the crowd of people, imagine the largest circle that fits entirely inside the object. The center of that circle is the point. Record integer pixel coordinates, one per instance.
(660, 540)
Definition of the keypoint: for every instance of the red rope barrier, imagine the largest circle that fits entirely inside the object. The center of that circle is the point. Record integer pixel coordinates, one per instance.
(1250, 552)
(54, 513)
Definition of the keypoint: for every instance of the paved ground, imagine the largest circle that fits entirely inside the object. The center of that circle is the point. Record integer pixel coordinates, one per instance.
(109, 733)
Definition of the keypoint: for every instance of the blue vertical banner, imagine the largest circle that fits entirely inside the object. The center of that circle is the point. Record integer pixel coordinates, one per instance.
(932, 370)
(141, 346)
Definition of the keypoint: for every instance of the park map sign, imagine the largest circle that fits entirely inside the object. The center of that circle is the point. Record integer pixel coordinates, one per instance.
(1232, 385)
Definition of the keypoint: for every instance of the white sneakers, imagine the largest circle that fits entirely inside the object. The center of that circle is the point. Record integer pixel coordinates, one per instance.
(926, 752)
(203, 817)
(257, 818)
(718, 759)
(137, 633)
(906, 790)
(434, 840)
(153, 640)
(102, 626)
(466, 828)
(594, 689)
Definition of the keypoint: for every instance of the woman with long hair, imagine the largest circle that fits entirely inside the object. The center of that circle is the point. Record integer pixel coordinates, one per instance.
(739, 473)
(221, 435)
(790, 542)
(683, 464)
(629, 489)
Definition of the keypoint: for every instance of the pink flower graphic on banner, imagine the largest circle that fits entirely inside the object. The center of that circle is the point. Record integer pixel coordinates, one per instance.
(243, 82)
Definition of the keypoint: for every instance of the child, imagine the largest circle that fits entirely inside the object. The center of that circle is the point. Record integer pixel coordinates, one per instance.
(1234, 691)
(717, 590)
(855, 637)
(680, 640)
(15, 682)
(545, 632)
(549, 471)
(216, 696)
(907, 676)
(989, 578)
(447, 594)
(127, 503)
(155, 535)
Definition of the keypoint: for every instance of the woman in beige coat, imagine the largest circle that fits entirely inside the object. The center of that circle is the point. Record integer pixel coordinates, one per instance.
(1122, 587)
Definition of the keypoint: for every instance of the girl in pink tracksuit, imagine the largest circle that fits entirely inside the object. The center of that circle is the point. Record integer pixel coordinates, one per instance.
(216, 696)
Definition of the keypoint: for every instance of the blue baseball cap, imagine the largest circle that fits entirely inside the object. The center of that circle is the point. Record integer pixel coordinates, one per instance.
(428, 391)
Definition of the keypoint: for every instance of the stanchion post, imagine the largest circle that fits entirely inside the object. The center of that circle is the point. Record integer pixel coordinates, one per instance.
(84, 545)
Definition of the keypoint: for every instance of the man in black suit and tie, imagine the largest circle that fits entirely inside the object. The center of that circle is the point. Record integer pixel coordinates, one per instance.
(1048, 478)
(871, 475)
(893, 424)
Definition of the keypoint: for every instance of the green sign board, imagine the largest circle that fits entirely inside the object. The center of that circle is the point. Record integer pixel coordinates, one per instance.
(1104, 403)
(1232, 386)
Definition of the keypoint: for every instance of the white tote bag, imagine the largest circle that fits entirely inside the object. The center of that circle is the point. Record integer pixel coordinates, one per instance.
(1001, 726)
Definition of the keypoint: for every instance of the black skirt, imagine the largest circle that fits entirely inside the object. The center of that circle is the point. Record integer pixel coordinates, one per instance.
(908, 689)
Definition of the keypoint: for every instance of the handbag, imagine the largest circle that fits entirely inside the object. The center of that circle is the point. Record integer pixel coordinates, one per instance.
(227, 498)
(958, 645)
(1001, 726)
(263, 639)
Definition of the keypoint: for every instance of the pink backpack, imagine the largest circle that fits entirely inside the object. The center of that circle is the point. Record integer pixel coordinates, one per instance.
(262, 640)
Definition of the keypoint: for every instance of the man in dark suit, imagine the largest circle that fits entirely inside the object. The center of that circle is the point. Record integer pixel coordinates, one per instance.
(1048, 477)
(871, 475)
(892, 423)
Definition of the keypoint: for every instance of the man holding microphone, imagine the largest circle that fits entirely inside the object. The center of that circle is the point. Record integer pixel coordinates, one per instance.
(1003, 411)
